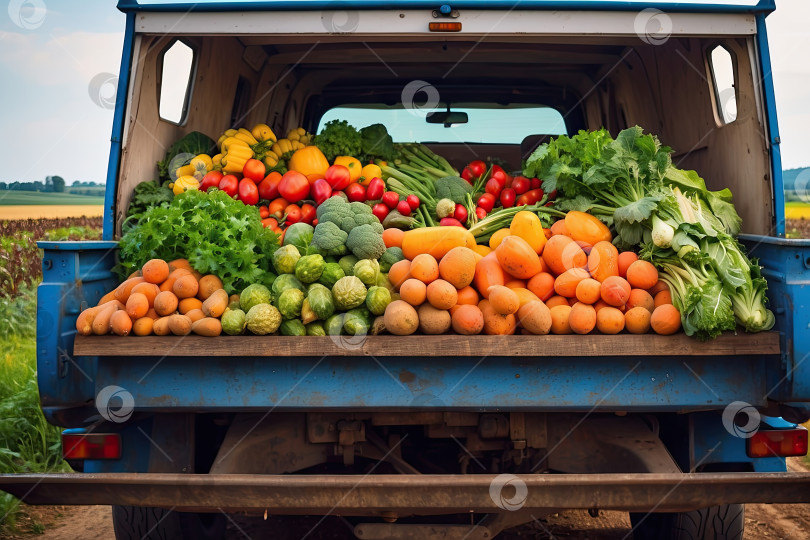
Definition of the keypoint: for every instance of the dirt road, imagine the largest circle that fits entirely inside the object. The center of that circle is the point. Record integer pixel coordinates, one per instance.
(762, 521)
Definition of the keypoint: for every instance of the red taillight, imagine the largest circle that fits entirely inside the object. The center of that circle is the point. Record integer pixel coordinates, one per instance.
(445, 26)
(91, 446)
(777, 443)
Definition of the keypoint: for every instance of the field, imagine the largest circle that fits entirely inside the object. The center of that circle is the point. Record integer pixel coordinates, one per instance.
(27, 442)
(25, 198)
(797, 210)
(50, 211)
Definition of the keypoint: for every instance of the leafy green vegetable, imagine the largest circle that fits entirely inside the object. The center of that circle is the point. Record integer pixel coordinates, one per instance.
(376, 143)
(338, 138)
(145, 196)
(217, 234)
(189, 146)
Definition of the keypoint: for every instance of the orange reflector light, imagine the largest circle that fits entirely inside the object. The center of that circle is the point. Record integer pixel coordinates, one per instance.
(91, 446)
(445, 27)
(777, 443)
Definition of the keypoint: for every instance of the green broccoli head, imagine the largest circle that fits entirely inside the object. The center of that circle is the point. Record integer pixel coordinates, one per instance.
(365, 242)
(329, 238)
(392, 255)
(376, 142)
(360, 208)
(330, 205)
(453, 188)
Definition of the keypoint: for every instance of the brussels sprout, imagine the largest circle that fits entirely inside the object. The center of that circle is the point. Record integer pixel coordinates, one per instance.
(253, 295)
(349, 292)
(233, 322)
(284, 259)
(347, 263)
(377, 299)
(300, 236)
(293, 327)
(309, 268)
(334, 324)
(331, 273)
(263, 319)
(357, 321)
(290, 302)
(284, 282)
(383, 281)
(321, 301)
(316, 328)
(367, 270)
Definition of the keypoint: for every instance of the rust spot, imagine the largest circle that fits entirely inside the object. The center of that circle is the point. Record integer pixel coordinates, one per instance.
(406, 376)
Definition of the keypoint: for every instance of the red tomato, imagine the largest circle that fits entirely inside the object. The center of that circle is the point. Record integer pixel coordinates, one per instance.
(404, 208)
(356, 192)
(535, 183)
(307, 213)
(477, 168)
(293, 213)
(500, 175)
(486, 201)
(480, 213)
(268, 188)
(264, 212)
(552, 195)
(520, 184)
(338, 177)
(493, 187)
(467, 175)
(229, 184)
(508, 198)
(380, 210)
(253, 169)
(321, 190)
(210, 180)
(451, 222)
(413, 201)
(248, 192)
(271, 223)
(460, 213)
(375, 189)
(390, 199)
(293, 186)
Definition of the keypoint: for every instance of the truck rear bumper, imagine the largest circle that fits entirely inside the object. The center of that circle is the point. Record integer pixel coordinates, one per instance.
(404, 495)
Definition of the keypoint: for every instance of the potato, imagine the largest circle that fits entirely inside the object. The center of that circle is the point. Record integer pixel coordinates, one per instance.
(432, 320)
(401, 318)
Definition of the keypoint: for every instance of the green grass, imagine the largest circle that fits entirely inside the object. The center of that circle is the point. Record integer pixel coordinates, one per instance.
(27, 198)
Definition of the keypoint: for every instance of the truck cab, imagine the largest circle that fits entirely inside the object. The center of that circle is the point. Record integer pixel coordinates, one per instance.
(402, 435)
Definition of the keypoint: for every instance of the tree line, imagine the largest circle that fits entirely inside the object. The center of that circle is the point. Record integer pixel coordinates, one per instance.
(52, 184)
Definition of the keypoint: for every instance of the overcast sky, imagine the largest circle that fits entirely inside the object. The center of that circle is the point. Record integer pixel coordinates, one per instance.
(59, 61)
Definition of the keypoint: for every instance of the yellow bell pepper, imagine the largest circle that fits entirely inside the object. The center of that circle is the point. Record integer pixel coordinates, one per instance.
(270, 159)
(217, 162)
(236, 153)
(185, 170)
(202, 164)
(246, 136)
(308, 160)
(351, 163)
(228, 133)
(262, 133)
(185, 183)
(370, 171)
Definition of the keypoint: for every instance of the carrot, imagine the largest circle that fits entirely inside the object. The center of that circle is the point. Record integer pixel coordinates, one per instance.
(399, 272)
(392, 237)
(413, 291)
(155, 271)
(424, 268)
(468, 295)
(149, 290)
(642, 275)
(559, 228)
(503, 300)
(165, 303)
(588, 291)
(535, 317)
(186, 286)
(173, 276)
(560, 316)
(615, 291)
(125, 289)
(527, 225)
(640, 298)
(567, 282)
(441, 294)
(458, 266)
(488, 272)
(663, 297)
(603, 261)
(626, 258)
(143, 326)
(187, 304)
(586, 228)
(637, 320)
(208, 284)
(137, 306)
(609, 320)
(517, 257)
(120, 323)
(435, 241)
(557, 301)
(542, 284)
(180, 264)
(467, 320)
(497, 237)
(582, 318)
(665, 320)
(494, 322)
(562, 253)
(107, 297)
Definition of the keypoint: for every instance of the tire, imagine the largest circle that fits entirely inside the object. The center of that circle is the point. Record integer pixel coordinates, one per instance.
(144, 523)
(724, 522)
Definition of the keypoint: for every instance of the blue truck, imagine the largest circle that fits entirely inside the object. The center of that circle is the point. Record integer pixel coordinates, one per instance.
(402, 435)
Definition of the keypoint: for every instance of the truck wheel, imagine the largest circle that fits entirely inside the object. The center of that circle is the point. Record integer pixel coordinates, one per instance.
(724, 522)
(143, 523)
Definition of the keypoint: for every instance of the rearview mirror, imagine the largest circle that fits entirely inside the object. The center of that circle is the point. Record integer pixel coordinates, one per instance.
(448, 118)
